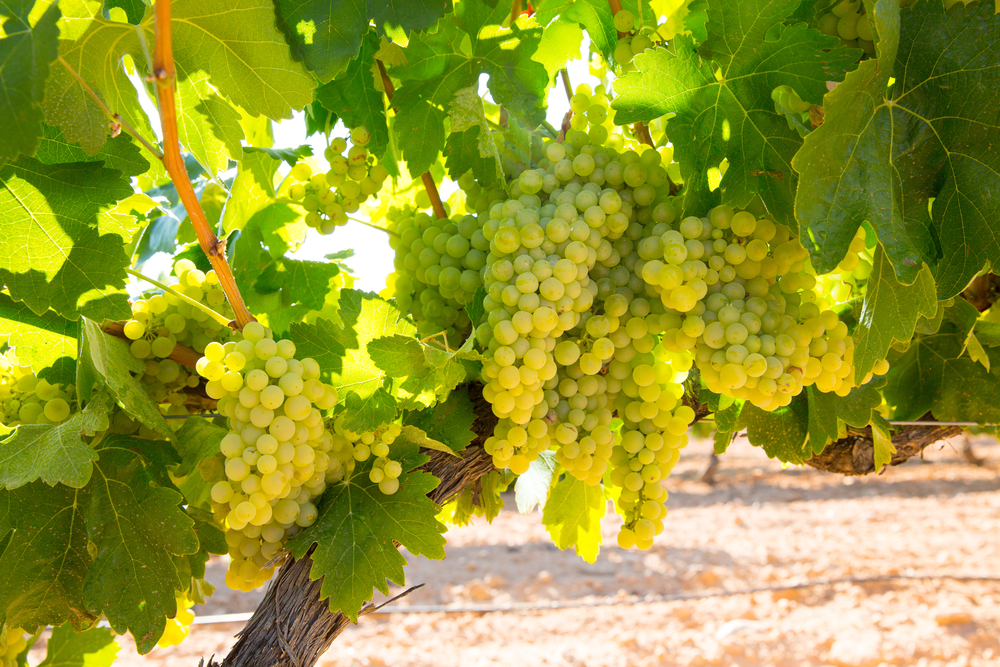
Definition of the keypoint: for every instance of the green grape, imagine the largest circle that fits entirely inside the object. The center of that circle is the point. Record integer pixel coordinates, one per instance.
(624, 21)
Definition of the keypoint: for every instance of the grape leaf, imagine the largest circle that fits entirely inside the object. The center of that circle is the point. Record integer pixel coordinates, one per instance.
(138, 529)
(209, 36)
(55, 454)
(288, 155)
(824, 426)
(732, 116)
(560, 43)
(419, 373)
(573, 514)
(282, 228)
(207, 125)
(882, 443)
(532, 488)
(303, 281)
(470, 144)
(931, 375)
(44, 561)
(94, 647)
(326, 36)
(197, 440)
(60, 248)
(828, 412)
(121, 152)
(471, 42)
(782, 434)
(449, 421)
(883, 153)
(596, 17)
(370, 412)
(355, 99)
(342, 352)
(39, 341)
(110, 359)
(25, 54)
(252, 190)
(357, 532)
(889, 312)
(419, 437)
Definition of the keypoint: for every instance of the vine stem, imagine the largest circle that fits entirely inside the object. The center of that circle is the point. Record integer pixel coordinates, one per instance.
(221, 319)
(215, 250)
(113, 117)
(564, 76)
(642, 134)
(429, 184)
(368, 224)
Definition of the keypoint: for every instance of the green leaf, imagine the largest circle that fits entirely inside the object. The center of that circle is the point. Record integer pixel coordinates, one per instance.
(883, 153)
(882, 443)
(121, 152)
(25, 54)
(252, 190)
(44, 561)
(197, 441)
(370, 412)
(54, 454)
(355, 98)
(561, 41)
(109, 357)
(207, 125)
(288, 155)
(470, 144)
(824, 426)
(449, 422)
(782, 434)
(39, 341)
(573, 516)
(596, 18)
(303, 281)
(732, 116)
(138, 530)
(342, 351)
(326, 36)
(421, 134)
(282, 228)
(858, 407)
(60, 248)
(532, 488)
(210, 37)
(889, 312)
(931, 375)
(357, 532)
(419, 437)
(95, 647)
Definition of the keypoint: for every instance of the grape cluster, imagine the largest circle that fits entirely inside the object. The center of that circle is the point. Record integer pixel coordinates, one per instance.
(592, 122)
(351, 180)
(847, 20)
(28, 399)
(179, 627)
(350, 448)
(438, 264)
(631, 42)
(163, 321)
(17, 641)
(276, 449)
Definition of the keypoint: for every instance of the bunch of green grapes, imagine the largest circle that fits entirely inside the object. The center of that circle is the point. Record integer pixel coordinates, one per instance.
(477, 198)
(653, 432)
(351, 180)
(631, 42)
(852, 273)
(350, 448)
(163, 321)
(438, 264)
(179, 627)
(847, 20)
(276, 450)
(28, 399)
(17, 641)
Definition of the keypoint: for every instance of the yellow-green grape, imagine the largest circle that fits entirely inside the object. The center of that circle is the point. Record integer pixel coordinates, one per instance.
(17, 642)
(28, 399)
(277, 450)
(624, 21)
(178, 627)
(351, 448)
(163, 321)
(438, 267)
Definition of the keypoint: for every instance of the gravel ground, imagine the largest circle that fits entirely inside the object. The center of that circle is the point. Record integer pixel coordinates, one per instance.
(758, 526)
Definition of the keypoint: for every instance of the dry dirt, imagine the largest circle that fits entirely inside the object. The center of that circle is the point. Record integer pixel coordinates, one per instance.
(758, 526)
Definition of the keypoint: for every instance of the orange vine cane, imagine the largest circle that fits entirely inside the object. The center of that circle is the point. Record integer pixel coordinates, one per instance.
(215, 250)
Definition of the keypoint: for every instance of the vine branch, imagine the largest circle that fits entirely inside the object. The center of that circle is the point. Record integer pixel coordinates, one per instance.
(429, 185)
(214, 249)
(564, 77)
(113, 117)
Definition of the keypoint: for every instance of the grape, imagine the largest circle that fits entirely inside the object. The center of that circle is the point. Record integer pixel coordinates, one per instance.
(279, 461)
(27, 399)
(624, 21)
(178, 627)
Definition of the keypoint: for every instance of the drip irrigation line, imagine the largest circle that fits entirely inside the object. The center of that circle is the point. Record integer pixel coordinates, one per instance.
(618, 602)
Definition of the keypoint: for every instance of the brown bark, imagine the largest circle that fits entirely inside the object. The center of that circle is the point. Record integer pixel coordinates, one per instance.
(293, 626)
